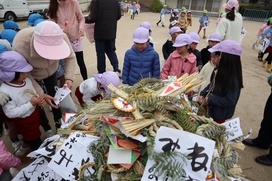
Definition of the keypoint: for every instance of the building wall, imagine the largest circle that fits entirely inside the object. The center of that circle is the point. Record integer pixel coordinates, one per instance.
(214, 6)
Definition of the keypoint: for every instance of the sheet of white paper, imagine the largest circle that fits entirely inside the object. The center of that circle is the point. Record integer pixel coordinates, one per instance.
(119, 156)
(46, 148)
(37, 170)
(233, 129)
(198, 149)
(264, 44)
(71, 155)
(206, 24)
(61, 94)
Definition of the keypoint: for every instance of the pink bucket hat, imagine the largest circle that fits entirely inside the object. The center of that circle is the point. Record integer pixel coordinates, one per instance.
(182, 39)
(227, 46)
(49, 42)
(215, 37)
(195, 37)
(11, 62)
(231, 4)
(106, 79)
(175, 29)
(141, 35)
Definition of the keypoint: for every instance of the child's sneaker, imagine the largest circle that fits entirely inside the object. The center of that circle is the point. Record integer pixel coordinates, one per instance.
(21, 151)
(49, 133)
(16, 145)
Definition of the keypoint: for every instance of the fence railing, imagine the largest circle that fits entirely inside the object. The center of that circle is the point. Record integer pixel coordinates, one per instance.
(257, 15)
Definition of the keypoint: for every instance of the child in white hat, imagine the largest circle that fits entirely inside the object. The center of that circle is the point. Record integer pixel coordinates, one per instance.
(141, 61)
(222, 94)
(189, 18)
(193, 48)
(213, 39)
(182, 21)
(208, 68)
(180, 61)
(147, 25)
(174, 18)
(23, 106)
(167, 47)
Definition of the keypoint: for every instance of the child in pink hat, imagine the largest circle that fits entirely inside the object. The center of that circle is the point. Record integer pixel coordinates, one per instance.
(231, 22)
(22, 108)
(94, 88)
(180, 61)
(222, 94)
(141, 61)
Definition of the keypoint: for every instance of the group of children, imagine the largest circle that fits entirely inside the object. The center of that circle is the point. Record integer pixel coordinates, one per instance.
(219, 63)
(131, 8)
(264, 37)
(184, 19)
(181, 57)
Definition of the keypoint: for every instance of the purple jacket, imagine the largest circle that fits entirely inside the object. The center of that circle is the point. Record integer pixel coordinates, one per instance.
(177, 66)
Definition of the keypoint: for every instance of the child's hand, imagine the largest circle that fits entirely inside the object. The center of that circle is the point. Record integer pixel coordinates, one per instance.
(37, 100)
(81, 32)
(200, 100)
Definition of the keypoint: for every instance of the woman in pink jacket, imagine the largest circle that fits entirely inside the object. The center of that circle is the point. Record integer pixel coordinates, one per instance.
(7, 160)
(180, 61)
(67, 14)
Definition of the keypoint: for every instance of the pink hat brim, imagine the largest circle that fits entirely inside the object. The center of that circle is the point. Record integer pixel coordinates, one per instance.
(53, 52)
(225, 5)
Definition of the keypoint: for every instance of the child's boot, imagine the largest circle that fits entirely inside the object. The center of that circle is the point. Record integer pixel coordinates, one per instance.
(260, 56)
(263, 64)
(268, 68)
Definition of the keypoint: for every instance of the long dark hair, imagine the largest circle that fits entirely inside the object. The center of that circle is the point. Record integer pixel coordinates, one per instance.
(53, 9)
(231, 14)
(229, 72)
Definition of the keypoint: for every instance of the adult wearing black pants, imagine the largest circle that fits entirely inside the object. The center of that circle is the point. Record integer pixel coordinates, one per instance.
(264, 138)
(43, 46)
(67, 14)
(105, 14)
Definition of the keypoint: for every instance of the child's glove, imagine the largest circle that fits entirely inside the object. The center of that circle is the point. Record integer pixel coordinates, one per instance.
(269, 80)
(4, 98)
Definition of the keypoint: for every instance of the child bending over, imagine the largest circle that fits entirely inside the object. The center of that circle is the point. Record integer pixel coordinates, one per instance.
(93, 88)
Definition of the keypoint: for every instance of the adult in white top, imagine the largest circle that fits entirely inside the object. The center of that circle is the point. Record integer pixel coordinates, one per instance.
(231, 23)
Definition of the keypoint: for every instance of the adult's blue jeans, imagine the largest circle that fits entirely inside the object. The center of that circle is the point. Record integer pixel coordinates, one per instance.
(106, 47)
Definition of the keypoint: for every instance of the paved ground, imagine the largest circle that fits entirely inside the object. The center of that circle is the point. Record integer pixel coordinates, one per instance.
(253, 97)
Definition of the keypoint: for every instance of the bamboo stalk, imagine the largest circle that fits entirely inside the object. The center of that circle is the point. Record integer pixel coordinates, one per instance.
(117, 91)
